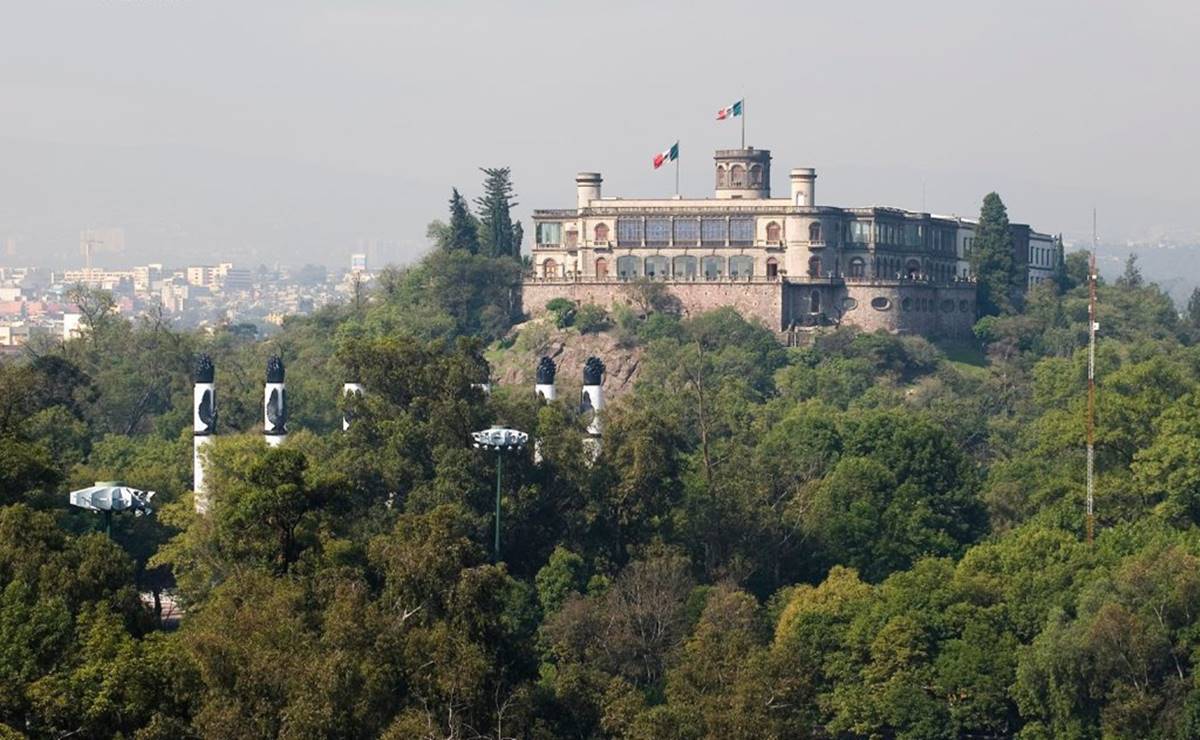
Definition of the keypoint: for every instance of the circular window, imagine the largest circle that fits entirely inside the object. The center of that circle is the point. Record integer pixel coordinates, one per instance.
(947, 305)
(906, 304)
(879, 303)
(849, 304)
(962, 306)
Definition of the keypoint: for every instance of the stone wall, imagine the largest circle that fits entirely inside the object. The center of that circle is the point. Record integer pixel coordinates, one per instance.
(763, 300)
(896, 306)
(906, 308)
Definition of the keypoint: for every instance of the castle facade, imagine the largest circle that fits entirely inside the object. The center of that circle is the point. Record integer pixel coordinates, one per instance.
(790, 262)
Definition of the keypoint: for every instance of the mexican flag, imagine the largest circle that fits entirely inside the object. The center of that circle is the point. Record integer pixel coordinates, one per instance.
(669, 155)
(730, 111)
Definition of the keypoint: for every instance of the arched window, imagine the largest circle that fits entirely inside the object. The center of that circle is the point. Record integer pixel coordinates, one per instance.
(722, 178)
(814, 231)
(755, 175)
(713, 267)
(912, 269)
(814, 266)
(684, 267)
(858, 267)
(657, 267)
(741, 266)
(773, 233)
(772, 268)
(601, 233)
(601, 268)
(549, 268)
(629, 267)
(737, 176)
(814, 302)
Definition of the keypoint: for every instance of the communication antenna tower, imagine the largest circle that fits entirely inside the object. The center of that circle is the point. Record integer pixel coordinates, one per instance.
(1093, 325)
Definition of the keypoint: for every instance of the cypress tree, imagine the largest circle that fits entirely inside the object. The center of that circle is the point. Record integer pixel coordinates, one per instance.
(1193, 309)
(1132, 276)
(463, 233)
(992, 259)
(495, 219)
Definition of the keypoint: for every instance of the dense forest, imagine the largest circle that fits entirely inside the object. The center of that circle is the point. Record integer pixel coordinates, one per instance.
(869, 536)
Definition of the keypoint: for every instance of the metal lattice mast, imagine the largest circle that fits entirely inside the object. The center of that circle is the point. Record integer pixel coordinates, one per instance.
(1091, 410)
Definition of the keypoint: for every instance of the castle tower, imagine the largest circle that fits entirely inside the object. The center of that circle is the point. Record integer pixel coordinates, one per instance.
(274, 404)
(204, 424)
(743, 173)
(804, 186)
(587, 188)
(545, 379)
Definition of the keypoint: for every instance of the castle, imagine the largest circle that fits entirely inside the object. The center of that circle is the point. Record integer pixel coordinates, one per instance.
(790, 262)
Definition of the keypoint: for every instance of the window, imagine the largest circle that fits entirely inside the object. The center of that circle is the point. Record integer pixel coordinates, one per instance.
(572, 239)
(773, 233)
(741, 266)
(629, 232)
(814, 267)
(713, 231)
(657, 267)
(601, 268)
(601, 233)
(549, 269)
(713, 266)
(722, 177)
(628, 267)
(913, 235)
(860, 232)
(737, 176)
(772, 268)
(849, 304)
(858, 267)
(906, 304)
(912, 268)
(684, 267)
(741, 232)
(879, 303)
(814, 231)
(756, 177)
(814, 302)
(658, 232)
(687, 231)
(549, 233)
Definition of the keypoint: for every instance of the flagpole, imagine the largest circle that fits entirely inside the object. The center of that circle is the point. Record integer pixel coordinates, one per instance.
(743, 117)
(677, 169)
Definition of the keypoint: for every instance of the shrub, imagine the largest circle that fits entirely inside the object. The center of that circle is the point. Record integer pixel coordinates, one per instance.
(590, 318)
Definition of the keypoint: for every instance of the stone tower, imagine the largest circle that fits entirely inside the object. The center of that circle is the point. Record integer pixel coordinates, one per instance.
(743, 173)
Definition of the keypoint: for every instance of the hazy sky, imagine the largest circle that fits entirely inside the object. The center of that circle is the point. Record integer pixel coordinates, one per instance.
(286, 131)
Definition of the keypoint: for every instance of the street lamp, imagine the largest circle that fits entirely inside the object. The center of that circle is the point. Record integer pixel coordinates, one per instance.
(500, 440)
(110, 496)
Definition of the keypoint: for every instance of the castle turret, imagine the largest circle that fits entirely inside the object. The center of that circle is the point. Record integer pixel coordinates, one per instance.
(587, 187)
(804, 186)
(743, 173)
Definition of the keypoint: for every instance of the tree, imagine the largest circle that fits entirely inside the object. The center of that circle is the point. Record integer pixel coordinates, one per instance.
(463, 231)
(497, 235)
(1131, 277)
(992, 260)
(1193, 309)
